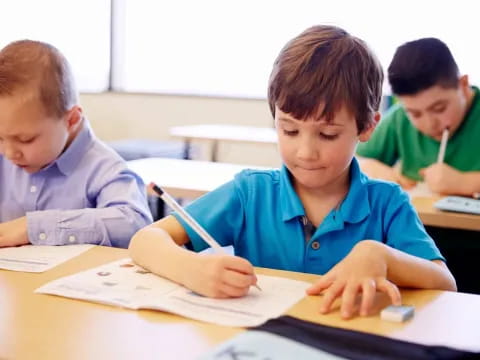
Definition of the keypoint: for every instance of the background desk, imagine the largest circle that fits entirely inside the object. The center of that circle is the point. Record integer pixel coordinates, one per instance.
(220, 132)
(38, 326)
(186, 178)
(191, 179)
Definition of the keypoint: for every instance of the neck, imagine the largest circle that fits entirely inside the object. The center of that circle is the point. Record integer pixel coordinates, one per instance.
(74, 133)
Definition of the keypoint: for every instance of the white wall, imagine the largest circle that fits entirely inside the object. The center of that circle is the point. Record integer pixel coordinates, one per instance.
(116, 116)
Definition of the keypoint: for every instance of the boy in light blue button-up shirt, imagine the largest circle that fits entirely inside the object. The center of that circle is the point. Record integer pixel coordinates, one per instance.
(59, 184)
(318, 213)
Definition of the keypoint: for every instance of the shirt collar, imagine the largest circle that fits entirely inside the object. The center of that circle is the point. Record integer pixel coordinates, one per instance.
(354, 208)
(70, 158)
(292, 207)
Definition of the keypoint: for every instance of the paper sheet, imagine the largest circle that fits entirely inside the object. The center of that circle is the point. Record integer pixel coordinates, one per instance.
(123, 283)
(36, 258)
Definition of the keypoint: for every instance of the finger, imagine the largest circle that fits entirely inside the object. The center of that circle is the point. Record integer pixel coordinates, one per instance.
(348, 300)
(233, 291)
(391, 290)
(238, 279)
(369, 288)
(238, 264)
(322, 284)
(329, 297)
(422, 172)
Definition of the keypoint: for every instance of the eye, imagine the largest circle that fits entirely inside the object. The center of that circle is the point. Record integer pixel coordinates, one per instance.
(328, 136)
(27, 141)
(290, 132)
(439, 110)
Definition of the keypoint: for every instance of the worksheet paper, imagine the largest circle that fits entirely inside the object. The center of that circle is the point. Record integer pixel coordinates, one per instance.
(125, 284)
(38, 258)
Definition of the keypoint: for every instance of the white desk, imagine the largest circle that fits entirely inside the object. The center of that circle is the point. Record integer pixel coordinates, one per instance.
(222, 132)
(186, 178)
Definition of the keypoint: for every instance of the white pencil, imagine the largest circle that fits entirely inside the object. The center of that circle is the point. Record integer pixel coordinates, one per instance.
(189, 220)
(443, 146)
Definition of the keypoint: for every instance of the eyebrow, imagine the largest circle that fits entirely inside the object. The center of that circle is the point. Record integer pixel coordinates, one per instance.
(436, 103)
(292, 121)
(429, 107)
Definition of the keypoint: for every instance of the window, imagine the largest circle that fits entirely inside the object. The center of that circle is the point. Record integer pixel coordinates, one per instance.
(79, 29)
(226, 48)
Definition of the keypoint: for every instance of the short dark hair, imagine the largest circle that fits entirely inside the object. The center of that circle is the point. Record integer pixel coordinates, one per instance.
(39, 69)
(323, 69)
(420, 64)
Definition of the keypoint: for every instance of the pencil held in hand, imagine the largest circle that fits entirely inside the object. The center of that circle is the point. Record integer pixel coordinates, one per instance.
(189, 219)
(443, 146)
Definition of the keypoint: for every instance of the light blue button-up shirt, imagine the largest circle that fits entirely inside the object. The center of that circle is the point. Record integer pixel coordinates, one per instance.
(86, 196)
(260, 214)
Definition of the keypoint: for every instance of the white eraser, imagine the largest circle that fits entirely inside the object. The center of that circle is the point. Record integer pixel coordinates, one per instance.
(397, 313)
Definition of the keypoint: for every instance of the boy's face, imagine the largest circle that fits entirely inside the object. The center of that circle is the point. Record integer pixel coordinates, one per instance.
(434, 109)
(28, 137)
(318, 153)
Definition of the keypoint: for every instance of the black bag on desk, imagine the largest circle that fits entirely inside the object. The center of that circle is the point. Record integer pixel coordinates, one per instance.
(358, 345)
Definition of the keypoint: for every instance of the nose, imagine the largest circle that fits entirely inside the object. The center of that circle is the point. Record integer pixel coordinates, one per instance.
(307, 150)
(11, 152)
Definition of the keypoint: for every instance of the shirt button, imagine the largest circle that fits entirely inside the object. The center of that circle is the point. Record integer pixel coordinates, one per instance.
(315, 245)
(71, 238)
(33, 188)
(42, 236)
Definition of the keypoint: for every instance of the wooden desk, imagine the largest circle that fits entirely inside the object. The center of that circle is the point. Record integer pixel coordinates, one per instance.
(222, 132)
(38, 326)
(186, 178)
(431, 216)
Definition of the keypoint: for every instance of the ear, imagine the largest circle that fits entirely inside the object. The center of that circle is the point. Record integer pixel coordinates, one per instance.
(464, 85)
(74, 117)
(366, 133)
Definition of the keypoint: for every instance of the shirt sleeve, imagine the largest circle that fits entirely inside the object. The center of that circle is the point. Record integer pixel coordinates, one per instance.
(220, 212)
(383, 144)
(121, 210)
(404, 229)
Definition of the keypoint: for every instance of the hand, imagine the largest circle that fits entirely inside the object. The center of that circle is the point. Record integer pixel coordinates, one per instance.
(442, 178)
(363, 271)
(220, 276)
(378, 170)
(14, 232)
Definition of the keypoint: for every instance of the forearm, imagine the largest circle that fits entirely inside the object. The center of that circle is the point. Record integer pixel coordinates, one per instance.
(154, 249)
(406, 270)
(470, 183)
(109, 226)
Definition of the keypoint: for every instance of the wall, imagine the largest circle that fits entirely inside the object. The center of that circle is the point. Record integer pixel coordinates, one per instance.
(116, 116)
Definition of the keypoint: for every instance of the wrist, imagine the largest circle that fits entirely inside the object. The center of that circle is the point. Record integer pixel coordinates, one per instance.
(469, 183)
(375, 250)
(189, 264)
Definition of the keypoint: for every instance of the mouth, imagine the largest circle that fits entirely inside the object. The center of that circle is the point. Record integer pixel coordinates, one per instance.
(310, 169)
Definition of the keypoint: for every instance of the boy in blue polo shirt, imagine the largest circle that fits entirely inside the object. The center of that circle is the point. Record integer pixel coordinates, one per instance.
(318, 213)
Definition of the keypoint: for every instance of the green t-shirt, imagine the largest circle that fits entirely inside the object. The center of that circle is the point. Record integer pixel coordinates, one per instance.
(396, 139)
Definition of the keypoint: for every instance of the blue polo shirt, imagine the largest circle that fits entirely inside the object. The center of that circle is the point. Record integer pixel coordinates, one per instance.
(260, 214)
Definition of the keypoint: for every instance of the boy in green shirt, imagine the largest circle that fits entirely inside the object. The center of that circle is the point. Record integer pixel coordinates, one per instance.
(433, 96)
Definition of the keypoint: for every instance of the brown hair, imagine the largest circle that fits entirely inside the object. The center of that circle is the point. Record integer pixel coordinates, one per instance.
(38, 69)
(323, 69)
